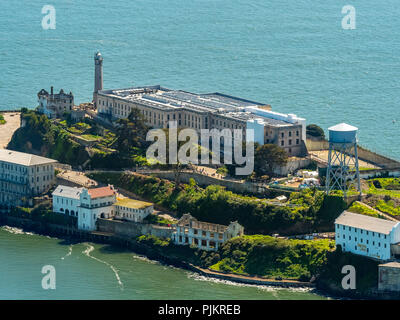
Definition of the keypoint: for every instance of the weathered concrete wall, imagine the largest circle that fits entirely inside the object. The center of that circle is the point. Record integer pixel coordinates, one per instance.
(132, 229)
(203, 180)
(363, 154)
(389, 278)
(293, 165)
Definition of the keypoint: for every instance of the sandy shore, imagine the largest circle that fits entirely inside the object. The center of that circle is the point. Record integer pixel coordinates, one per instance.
(8, 129)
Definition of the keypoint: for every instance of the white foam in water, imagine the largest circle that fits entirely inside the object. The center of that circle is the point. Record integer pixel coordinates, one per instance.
(143, 258)
(68, 253)
(272, 289)
(15, 230)
(87, 252)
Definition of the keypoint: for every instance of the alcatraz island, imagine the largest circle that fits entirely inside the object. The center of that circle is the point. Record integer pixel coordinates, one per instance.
(309, 207)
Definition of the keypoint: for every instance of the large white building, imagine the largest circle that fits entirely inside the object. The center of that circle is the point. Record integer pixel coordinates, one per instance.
(85, 204)
(204, 235)
(23, 176)
(160, 106)
(368, 236)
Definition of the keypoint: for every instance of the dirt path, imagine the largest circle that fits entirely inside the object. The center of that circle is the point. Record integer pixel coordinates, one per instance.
(13, 122)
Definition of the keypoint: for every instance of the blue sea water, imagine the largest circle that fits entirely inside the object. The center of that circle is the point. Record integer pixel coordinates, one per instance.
(293, 55)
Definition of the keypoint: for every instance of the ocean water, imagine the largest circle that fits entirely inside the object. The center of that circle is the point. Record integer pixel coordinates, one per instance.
(91, 271)
(293, 55)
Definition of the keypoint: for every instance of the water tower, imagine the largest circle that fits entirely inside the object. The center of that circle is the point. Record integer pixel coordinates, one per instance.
(343, 170)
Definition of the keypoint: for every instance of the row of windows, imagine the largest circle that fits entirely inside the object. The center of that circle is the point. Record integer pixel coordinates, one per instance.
(361, 231)
(290, 142)
(361, 240)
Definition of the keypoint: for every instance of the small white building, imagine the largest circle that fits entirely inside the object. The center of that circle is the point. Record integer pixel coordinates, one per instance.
(66, 200)
(365, 235)
(204, 235)
(95, 203)
(132, 210)
(85, 204)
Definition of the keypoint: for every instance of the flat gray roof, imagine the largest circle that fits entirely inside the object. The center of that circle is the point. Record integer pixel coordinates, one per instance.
(67, 192)
(21, 158)
(392, 264)
(364, 222)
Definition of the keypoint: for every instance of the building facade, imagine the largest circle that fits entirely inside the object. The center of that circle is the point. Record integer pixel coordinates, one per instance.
(365, 235)
(66, 200)
(160, 106)
(204, 235)
(23, 176)
(85, 204)
(54, 105)
(132, 210)
(95, 203)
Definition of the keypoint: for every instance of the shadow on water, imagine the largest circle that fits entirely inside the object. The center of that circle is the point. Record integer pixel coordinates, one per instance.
(111, 249)
(69, 241)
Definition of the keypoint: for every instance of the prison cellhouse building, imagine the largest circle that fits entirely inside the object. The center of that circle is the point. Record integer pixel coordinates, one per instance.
(204, 235)
(160, 106)
(368, 236)
(24, 176)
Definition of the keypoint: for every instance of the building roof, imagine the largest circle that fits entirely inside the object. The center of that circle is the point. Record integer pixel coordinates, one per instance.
(133, 204)
(24, 159)
(188, 220)
(101, 192)
(343, 127)
(364, 222)
(67, 192)
(392, 264)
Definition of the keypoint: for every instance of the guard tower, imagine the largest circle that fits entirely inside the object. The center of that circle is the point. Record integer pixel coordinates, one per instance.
(343, 171)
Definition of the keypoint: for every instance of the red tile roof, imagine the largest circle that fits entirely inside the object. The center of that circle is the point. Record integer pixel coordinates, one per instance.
(101, 192)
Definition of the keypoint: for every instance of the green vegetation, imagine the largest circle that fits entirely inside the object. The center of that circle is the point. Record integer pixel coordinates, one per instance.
(267, 158)
(315, 131)
(223, 171)
(155, 219)
(307, 211)
(257, 255)
(2, 121)
(43, 213)
(56, 139)
(384, 186)
(358, 207)
(388, 207)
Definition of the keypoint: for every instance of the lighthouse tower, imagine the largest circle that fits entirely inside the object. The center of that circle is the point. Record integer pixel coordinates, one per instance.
(98, 75)
(343, 170)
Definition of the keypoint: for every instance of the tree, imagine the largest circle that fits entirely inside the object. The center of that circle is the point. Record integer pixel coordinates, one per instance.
(315, 131)
(267, 158)
(131, 131)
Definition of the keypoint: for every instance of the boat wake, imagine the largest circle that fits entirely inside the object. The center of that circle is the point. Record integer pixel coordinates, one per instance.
(87, 252)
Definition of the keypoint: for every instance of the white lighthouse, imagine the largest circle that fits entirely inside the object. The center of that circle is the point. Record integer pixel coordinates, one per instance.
(98, 75)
